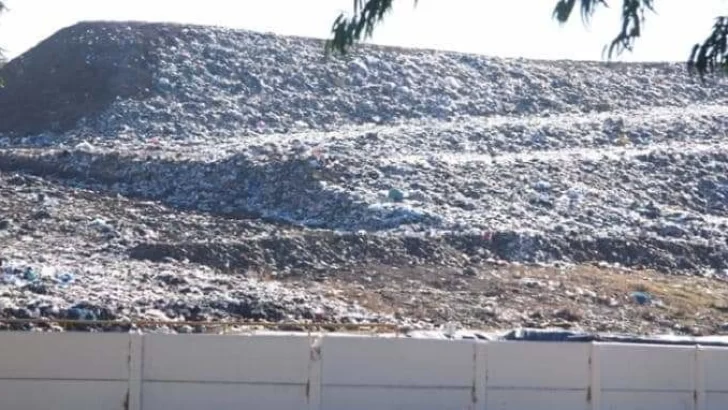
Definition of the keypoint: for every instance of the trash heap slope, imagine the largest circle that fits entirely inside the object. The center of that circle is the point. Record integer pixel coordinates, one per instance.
(150, 79)
(506, 159)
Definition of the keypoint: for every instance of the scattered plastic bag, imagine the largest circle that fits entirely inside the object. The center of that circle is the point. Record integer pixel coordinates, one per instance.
(641, 298)
(395, 195)
(19, 275)
(65, 279)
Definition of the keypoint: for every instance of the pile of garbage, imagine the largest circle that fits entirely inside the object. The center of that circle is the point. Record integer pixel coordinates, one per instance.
(38, 280)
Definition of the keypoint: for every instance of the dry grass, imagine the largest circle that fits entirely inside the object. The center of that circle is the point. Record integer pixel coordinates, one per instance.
(586, 297)
(681, 294)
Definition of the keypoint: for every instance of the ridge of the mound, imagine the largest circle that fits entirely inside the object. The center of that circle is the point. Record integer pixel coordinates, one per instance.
(156, 79)
(75, 73)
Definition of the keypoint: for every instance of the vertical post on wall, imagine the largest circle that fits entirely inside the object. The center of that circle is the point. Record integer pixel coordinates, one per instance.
(699, 380)
(594, 395)
(313, 384)
(134, 394)
(480, 375)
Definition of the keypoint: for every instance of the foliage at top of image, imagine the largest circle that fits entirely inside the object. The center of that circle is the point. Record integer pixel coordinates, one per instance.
(2, 54)
(708, 57)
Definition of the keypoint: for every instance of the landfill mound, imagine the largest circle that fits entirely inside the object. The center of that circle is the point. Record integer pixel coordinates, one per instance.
(148, 80)
(239, 157)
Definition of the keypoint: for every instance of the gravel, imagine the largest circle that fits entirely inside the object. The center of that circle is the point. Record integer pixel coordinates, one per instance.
(252, 173)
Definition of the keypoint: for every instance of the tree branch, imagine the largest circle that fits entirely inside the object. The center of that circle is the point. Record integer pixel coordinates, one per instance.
(347, 31)
(712, 55)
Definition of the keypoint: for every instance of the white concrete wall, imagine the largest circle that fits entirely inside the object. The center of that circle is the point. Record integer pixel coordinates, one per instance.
(64, 371)
(78, 371)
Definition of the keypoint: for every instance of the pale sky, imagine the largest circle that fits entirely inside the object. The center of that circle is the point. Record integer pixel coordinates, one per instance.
(491, 27)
